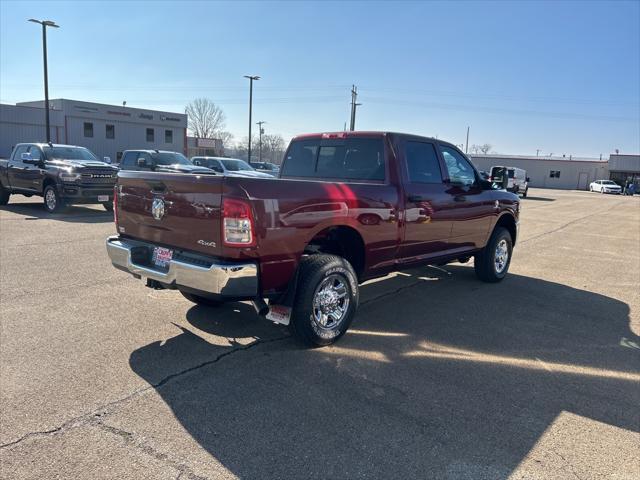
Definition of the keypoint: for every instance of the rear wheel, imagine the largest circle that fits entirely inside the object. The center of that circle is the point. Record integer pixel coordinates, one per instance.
(326, 299)
(492, 263)
(52, 201)
(4, 195)
(200, 300)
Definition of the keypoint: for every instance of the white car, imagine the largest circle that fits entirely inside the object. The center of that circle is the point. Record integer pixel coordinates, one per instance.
(605, 186)
(232, 167)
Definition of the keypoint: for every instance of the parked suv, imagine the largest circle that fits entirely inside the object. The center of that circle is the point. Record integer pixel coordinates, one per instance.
(159, 161)
(61, 174)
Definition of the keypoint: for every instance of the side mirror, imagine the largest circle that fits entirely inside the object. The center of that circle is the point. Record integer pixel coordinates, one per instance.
(528, 179)
(107, 159)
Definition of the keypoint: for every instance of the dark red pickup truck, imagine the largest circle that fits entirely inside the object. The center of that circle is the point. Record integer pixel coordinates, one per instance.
(347, 207)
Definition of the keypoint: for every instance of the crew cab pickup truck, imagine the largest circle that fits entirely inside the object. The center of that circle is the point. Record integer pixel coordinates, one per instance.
(61, 174)
(346, 207)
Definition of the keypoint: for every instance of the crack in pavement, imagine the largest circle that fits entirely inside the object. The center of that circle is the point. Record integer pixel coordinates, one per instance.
(147, 449)
(103, 410)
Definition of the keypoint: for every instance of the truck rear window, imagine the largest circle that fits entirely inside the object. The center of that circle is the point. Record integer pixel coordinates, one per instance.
(339, 159)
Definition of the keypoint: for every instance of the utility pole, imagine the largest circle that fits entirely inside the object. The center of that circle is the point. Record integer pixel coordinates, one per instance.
(45, 24)
(251, 79)
(466, 145)
(354, 105)
(260, 143)
(537, 152)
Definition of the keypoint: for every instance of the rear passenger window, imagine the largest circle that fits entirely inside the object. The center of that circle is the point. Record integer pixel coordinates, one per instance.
(129, 159)
(350, 159)
(422, 163)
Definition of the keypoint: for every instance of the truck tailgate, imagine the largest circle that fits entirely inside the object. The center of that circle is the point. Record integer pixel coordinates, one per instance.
(191, 204)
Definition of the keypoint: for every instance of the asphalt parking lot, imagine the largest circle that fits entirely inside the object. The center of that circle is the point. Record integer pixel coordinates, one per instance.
(441, 376)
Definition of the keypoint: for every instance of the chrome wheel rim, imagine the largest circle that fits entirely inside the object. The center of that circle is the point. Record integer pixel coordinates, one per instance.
(501, 256)
(330, 302)
(50, 198)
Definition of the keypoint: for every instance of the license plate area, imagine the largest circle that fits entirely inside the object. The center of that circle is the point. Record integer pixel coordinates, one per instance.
(103, 198)
(161, 257)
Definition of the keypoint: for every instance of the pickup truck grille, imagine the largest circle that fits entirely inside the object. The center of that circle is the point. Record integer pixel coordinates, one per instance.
(98, 177)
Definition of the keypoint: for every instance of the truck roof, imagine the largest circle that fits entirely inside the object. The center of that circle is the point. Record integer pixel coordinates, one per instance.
(363, 133)
(45, 144)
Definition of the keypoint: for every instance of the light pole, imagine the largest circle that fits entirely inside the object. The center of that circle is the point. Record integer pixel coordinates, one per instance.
(251, 79)
(261, 131)
(45, 24)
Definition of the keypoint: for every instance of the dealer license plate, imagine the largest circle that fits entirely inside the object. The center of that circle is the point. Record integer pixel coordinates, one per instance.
(161, 257)
(103, 198)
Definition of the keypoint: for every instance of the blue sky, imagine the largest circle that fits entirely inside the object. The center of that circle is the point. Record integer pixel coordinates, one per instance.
(562, 77)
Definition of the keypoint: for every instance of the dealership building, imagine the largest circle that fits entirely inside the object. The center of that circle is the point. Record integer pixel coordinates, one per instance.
(566, 172)
(106, 130)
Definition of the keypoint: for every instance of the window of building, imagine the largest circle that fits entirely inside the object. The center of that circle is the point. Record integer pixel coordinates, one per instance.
(88, 129)
(110, 131)
(422, 163)
(168, 136)
(150, 135)
(554, 174)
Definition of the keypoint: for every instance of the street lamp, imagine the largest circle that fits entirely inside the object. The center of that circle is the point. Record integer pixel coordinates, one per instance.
(45, 24)
(260, 144)
(251, 79)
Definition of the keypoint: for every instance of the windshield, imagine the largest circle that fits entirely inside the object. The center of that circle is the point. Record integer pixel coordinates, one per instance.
(236, 165)
(170, 158)
(608, 182)
(68, 153)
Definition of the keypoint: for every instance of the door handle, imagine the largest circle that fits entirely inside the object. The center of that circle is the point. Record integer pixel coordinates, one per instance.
(415, 198)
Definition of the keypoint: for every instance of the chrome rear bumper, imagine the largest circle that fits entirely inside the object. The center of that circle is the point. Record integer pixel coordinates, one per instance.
(232, 280)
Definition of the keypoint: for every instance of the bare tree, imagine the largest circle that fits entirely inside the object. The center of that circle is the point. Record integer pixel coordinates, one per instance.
(206, 119)
(481, 148)
(273, 147)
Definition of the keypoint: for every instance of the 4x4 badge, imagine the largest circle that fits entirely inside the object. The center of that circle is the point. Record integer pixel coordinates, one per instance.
(157, 208)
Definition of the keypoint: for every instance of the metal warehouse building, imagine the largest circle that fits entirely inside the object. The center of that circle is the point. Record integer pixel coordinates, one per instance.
(106, 130)
(550, 172)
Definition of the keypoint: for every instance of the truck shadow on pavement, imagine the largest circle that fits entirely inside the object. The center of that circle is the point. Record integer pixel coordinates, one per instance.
(441, 376)
(72, 214)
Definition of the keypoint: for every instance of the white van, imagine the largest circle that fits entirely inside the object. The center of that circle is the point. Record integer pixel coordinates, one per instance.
(518, 180)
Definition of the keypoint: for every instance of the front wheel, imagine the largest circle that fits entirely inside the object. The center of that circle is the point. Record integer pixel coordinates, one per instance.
(524, 194)
(326, 300)
(492, 263)
(52, 201)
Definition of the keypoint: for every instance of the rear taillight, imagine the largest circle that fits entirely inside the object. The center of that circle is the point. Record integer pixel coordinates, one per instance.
(237, 223)
(115, 207)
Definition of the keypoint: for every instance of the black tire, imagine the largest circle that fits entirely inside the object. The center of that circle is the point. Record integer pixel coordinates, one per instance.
(333, 274)
(524, 194)
(4, 195)
(108, 206)
(200, 300)
(486, 264)
(52, 201)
